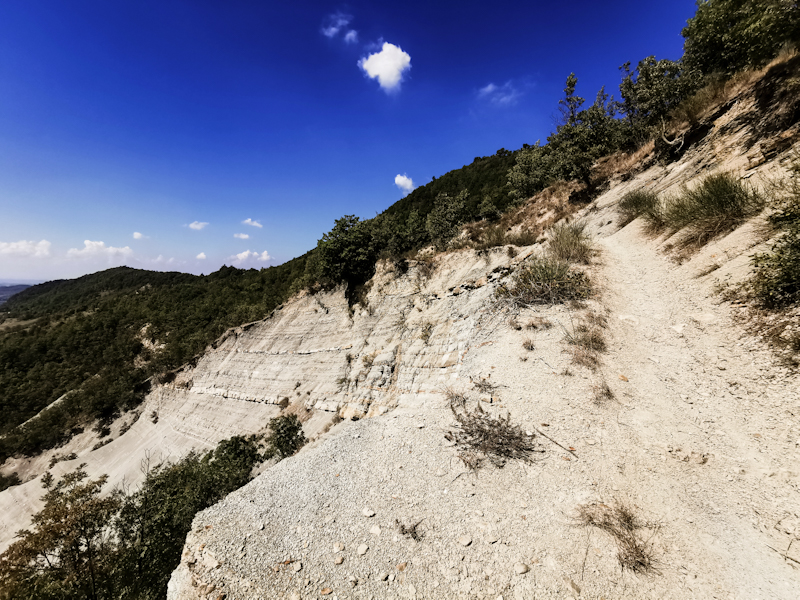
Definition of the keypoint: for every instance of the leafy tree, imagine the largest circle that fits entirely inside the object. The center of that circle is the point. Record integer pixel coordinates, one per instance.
(67, 555)
(446, 218)
(346, 253)
(652, 90)
(728, 35)
(286, 436)
(531, 172)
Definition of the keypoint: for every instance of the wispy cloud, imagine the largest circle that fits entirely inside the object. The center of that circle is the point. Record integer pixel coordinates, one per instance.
(26, 248)
(405, 183)
(500, 95)
(351, 37)
(241, 236)
(252, 222)
(137, 235)
(197, 225)
(99, 249)
(249, 256)
(336, 23)
(387, 66)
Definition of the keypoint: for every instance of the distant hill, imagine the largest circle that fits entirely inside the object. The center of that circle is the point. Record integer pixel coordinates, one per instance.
(6, 291)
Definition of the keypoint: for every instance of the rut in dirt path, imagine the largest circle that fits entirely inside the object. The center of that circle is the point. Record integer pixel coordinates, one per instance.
(713, 418)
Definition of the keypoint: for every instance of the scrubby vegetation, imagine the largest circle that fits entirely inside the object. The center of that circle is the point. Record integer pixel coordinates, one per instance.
(94, 545)
(639, 203)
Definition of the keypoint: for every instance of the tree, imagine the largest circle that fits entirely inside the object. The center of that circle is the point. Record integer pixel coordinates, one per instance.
(66, 555)
(570, 104)
(728, 35)
(347, 253)
(286, 436)
(652, 90)
(446, 218)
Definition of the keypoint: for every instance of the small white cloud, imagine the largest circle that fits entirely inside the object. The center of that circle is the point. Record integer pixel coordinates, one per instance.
(201, 256)
(335, 23)
(241, 236)
(404, 182)
(500, 95)
(137, 235)
(197, 225)
(351, 37)
(249, 256)
(96, 249)
(253, 223)
(26, 248)
(387, 66)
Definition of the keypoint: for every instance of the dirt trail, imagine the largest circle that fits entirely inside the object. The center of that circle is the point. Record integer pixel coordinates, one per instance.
(709, 422)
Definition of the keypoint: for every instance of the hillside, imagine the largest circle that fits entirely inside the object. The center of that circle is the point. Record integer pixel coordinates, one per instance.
(686, 419)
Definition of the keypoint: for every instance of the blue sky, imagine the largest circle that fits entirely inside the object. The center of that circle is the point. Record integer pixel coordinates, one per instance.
(148, 133)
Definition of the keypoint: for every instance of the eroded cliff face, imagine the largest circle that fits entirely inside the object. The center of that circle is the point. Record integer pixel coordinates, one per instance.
(315, 354)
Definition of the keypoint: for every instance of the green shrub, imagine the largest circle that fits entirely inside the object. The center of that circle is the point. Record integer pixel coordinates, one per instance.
(545, 280)
(776, 276)
(570, 242)
(286, 436)
(717, 206)
(635, 204)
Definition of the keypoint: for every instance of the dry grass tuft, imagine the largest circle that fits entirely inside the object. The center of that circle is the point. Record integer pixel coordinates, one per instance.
(587, 340)
(479, 436)
(411, 531)
(484, 386)
(570, 242)
(537, 323)
(603, 393)
(528, 345)
(621, 523)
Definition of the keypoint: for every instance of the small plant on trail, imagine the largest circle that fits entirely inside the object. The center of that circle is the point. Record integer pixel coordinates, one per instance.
(528, 345)
(411, 531)
(570, 242)
(539, 323)
(620, 522)
(603, 393)
(479, 436)
(286, 436)
(635, 204)
(484, 386)
(545, 280)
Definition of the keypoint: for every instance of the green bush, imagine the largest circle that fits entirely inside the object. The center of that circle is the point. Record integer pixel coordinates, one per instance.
(545, 280)
(286, 436)
(637, 203)
(776, 276)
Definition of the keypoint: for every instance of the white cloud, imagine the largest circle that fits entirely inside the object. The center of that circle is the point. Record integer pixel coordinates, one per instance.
(387, 66)
(335, 23)
(201, 256)
(26, 248)
(253, 223)
(249, 256)
(500, 95)
(96, 249)
(197, 225)
(351, 37)
(137, 235)
(404, 182)
(241, 236)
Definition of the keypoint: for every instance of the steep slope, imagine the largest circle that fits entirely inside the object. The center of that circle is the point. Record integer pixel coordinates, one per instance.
(698, 437)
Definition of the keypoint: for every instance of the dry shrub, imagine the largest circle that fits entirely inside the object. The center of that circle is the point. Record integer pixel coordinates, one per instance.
(621, 163)
(620, 522)
(528, 345)
(484, 386)
(544, 280)
(603, 393)
(479, 436)
(539, 323)
(524, 237)
(513, 322)
(570, 242)
(587, 340)
(411, 531)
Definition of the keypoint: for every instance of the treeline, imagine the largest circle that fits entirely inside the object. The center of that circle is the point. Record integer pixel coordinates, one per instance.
(96, 342)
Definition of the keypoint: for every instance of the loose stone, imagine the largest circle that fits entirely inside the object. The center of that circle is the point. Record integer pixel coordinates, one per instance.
(362, 549)
(465, 540)
(521, 568)
(368, 513)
